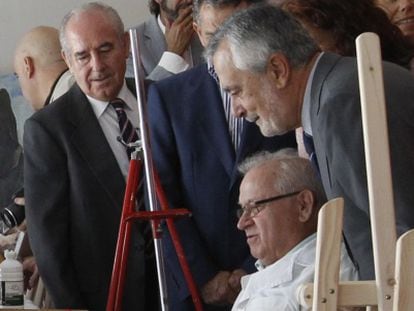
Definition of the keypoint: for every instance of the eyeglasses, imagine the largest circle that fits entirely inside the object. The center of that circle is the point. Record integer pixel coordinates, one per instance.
(253, 208)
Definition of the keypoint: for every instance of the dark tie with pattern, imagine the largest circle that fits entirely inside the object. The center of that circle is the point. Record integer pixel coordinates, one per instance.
(310, 149)
(128, 132)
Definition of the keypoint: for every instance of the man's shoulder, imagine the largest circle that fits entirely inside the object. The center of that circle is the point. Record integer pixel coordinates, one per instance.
(193, 75)
(148, 25)
(63, 107)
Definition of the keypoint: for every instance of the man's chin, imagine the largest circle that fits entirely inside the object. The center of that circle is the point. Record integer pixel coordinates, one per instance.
(270, 132)
(103, 94)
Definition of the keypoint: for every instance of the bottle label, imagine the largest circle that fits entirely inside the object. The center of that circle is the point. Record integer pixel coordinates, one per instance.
(12, 293)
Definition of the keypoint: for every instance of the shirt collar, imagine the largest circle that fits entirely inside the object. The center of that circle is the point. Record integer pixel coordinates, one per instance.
(306, 108)
(260, 266)
(100, 106)
(162, 27)
(52, 89)
(282, 268)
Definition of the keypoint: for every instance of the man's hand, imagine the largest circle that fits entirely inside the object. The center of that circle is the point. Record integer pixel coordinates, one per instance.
(218, 291)
(178, 33)
(31, 274)
(234, 280)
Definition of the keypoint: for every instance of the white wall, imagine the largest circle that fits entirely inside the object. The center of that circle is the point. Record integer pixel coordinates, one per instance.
(18, 16)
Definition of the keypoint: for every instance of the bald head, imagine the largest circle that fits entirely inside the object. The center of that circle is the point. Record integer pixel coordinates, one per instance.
(38, 63)
(42, 44)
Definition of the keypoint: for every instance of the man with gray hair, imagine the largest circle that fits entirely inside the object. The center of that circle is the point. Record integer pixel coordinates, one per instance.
(279, 79)
(280, 197)
(75, 170)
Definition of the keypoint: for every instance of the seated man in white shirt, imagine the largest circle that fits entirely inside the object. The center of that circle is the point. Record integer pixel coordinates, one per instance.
(280, 197)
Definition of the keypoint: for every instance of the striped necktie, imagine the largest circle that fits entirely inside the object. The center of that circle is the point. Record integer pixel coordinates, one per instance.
(128, 133)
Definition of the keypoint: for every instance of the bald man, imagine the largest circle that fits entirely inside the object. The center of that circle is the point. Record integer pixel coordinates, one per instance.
(40, 68)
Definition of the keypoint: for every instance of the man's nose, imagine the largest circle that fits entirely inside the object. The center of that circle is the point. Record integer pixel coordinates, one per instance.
(97, 62)
(405, 5)
(237, 108)
(244, 222)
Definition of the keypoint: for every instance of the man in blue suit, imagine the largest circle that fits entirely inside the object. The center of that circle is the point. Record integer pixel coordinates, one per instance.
(197, 159)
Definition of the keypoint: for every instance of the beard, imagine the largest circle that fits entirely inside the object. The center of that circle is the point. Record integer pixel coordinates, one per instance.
(172, 13)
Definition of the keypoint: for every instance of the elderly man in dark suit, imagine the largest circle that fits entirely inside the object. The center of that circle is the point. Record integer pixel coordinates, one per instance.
(75, 169)
(278, 79)
(197, 145)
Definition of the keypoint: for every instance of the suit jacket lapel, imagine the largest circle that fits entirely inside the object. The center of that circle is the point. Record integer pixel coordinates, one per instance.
(91, 143)
(154, 39)
(324, 67)
(213, 121)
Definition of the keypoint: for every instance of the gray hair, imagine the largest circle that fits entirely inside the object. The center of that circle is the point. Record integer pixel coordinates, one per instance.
(110, 12)
(293, 173)
(197, 4)
(254, 34)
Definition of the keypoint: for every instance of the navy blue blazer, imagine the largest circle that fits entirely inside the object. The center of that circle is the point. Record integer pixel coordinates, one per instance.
(197, 165)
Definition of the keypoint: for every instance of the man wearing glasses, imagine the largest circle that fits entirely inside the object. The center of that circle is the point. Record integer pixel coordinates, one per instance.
(280, 197)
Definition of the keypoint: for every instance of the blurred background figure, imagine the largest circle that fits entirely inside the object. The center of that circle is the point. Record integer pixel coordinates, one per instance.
(43, 74)
(11, 153)
(43, 77)
(168, 43)
(335, 24)
(401, 14)
(11, 166)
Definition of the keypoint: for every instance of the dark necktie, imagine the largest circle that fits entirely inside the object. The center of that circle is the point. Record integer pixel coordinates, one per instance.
(310, 149)
(128, 132)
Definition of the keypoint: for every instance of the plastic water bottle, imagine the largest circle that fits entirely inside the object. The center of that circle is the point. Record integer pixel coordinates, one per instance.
(11, 281)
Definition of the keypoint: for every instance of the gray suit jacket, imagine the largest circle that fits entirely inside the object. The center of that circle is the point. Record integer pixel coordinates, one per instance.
(152, 45)
(337, 132)
(74, 192)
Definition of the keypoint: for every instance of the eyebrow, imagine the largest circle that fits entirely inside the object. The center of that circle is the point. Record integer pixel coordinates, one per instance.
(103, 45)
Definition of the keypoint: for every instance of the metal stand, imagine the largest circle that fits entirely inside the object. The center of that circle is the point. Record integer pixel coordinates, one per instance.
(141, 156)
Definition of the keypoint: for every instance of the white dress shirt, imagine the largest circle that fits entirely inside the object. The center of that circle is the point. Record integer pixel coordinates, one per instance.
(275, 287)
(108, 121)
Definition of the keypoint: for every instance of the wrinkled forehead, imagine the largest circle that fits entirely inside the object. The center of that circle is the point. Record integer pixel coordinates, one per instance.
(259, 182)
(90, 32)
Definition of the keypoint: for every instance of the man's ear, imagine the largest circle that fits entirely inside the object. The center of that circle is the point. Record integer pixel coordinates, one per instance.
(66, 59)
(29, 67)
(279, 69)
(306, 205)
(197, 29)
